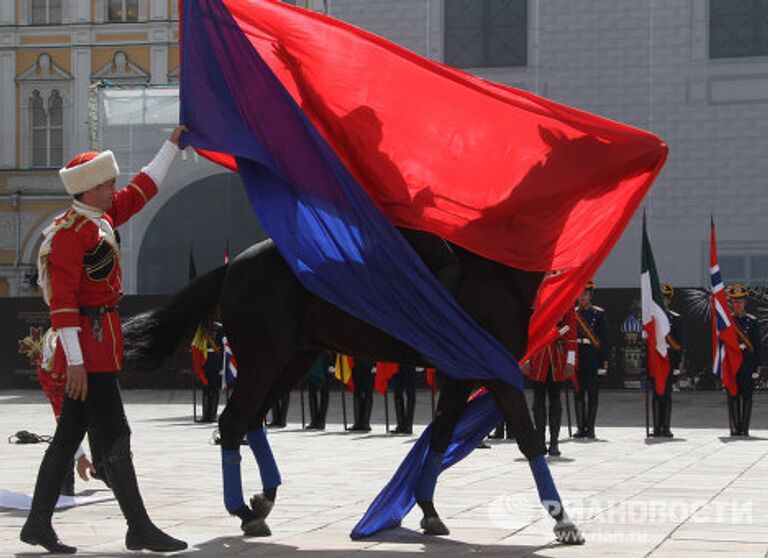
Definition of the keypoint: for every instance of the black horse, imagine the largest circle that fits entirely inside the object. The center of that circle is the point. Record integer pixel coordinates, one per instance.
(277, 329)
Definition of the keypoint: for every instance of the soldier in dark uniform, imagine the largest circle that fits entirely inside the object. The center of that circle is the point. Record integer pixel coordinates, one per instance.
(748, 331)
(212, 369)
(404, 388)
(318, 383)
(592, 361)
(662, 404)
(280, 412)
(363, 396)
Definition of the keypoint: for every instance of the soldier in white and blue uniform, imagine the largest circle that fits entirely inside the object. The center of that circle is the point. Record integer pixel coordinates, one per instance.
(662, 404)
(748, 332)
(592, 362)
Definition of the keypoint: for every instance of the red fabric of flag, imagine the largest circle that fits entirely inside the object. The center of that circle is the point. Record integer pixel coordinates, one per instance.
(510, 176)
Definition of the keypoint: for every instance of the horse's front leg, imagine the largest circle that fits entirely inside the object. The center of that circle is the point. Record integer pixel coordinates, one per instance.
(262, 504)
(512, 403)
(453, 401)
(232, 429)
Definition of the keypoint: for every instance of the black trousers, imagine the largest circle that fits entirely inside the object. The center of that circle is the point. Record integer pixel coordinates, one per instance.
(404, 388)
(102, 414)
(544, 392)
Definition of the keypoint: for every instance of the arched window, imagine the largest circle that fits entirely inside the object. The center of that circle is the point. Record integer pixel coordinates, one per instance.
(55, 129)
(47, 129)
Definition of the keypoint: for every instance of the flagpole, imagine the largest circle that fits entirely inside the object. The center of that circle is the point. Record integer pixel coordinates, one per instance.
(568, 406)
(386, 408)
(647, 367)
(301, 391)
(343, 400)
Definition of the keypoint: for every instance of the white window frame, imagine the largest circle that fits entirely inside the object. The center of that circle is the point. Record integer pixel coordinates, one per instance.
(46, 96)
(25, 13)
(102, 11)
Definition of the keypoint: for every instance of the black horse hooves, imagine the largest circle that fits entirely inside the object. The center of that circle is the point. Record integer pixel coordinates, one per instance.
(261, 505)
(255, 528)
(566, 532)
(251, 524)
(434, 526)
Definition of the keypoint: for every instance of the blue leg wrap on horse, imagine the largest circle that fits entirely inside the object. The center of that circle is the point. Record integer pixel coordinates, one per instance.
(548, 494)
(425, 487)
(233, 484)
(270, 475)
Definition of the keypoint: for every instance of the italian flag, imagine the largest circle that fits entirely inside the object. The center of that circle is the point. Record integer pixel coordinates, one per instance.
(655, 321)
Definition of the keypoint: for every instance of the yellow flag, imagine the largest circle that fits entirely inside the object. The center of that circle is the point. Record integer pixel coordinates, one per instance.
(342, 368)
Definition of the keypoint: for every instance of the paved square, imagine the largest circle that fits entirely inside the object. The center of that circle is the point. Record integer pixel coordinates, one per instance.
(698, 494)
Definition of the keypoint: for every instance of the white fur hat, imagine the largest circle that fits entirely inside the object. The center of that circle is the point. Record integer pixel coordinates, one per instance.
(88, 170)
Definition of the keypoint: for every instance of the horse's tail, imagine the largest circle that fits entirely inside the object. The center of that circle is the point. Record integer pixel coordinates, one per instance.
(153, 336)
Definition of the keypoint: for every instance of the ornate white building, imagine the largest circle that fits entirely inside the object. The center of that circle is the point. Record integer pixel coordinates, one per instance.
(695, 72)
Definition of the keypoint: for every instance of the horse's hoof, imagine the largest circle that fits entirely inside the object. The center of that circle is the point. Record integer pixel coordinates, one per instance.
(256, 527)
(261, 505)
(566, 532)
(434, 526)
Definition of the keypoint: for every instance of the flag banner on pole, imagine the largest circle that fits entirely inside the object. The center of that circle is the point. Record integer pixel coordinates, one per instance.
(655, 321)
(339, 134)
(726, 352)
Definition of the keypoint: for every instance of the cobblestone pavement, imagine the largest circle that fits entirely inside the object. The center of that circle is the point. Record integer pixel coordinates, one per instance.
(700, 493)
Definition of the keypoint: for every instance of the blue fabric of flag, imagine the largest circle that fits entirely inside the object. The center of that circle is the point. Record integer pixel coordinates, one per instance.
(333, 237)
(337, 242)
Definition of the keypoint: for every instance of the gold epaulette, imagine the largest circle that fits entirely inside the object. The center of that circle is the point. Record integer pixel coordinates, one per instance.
(68, 220)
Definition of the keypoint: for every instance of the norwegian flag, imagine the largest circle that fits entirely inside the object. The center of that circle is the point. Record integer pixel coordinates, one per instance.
(229, 368)
(726, 353)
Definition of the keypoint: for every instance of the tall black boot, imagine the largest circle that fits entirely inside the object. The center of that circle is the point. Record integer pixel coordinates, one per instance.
(410, 410)
(555, 417)
(367, 409)
(591, 417)
(313, 409)
(746, 416)
(666, 432)
(323, 411)
(734, 410)
(210, 402)
(399, 404)
(142, 533)
(283, 414)
(357, 409)
(581, 425)
(37, 529)
(657, 411)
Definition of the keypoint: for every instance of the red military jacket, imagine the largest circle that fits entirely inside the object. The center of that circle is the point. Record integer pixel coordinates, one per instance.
(84, 270)
(554, 356)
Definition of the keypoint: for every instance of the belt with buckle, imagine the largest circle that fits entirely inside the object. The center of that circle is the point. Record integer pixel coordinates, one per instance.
(95, 313)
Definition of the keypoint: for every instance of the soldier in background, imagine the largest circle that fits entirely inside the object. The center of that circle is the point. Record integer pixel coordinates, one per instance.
(592, 360)
(404, 388)
(662, 404)
(318, 384)
(748, 332)
(548, 369)
(362, 377)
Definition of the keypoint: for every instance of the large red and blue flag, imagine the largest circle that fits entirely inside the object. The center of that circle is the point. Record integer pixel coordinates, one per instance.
(339, 135)
(726, 352)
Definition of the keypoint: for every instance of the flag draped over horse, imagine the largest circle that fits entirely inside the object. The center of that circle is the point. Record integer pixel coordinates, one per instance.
(340, 135)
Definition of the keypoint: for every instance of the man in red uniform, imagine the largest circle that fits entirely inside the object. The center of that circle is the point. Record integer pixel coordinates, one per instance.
(80, 277)
(548, 369)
